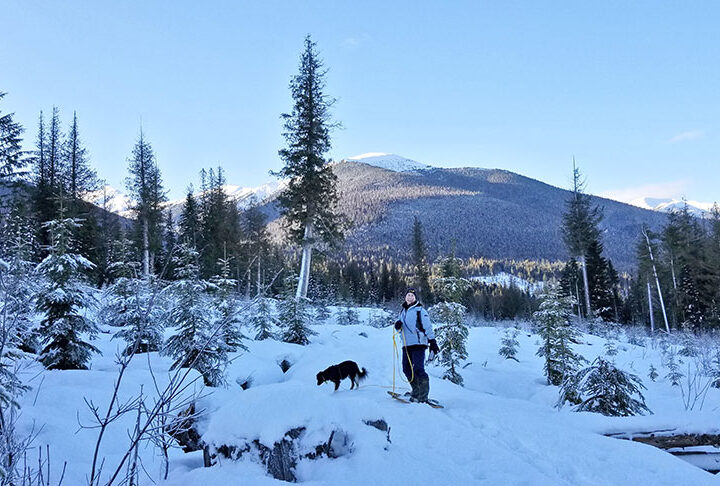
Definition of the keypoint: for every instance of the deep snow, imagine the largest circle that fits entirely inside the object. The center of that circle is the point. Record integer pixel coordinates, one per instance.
(501, 428)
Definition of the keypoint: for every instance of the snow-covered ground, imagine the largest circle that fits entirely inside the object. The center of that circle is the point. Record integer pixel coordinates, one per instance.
(501, 428)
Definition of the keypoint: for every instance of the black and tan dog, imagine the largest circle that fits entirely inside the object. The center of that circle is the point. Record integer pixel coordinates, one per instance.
(337, 373)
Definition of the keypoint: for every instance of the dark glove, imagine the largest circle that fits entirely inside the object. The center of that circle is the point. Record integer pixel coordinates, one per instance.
(433, 346)
(398, 325)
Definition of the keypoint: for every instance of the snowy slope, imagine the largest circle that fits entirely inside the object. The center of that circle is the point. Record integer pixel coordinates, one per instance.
(501, 428)
(392, 162)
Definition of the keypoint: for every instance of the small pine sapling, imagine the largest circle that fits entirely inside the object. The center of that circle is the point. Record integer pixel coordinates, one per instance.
(294, 316)
(509, 344)
(605, 389)
(652, 373)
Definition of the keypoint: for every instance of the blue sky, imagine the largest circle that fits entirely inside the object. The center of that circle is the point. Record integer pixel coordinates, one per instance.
(631, 89)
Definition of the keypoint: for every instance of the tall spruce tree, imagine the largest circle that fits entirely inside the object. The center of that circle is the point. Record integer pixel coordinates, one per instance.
(79, 176)
(54, 151)
(189, 222)
(309, 202)
(145, 187)
(580, 230)
(10, 146)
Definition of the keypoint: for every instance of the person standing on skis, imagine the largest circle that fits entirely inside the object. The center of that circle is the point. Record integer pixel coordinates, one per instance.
(417, 335)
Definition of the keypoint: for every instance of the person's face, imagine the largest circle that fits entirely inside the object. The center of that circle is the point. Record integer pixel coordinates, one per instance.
(410, 298)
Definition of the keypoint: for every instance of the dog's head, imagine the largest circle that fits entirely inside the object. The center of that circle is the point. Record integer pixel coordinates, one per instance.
(320, 378)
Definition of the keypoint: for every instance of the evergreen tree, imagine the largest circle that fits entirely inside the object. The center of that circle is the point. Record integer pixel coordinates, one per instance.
(293, 316)
(145, 187)
(262, 318)
(44, 194)
(219, 223)
(128, 303)
(652, 373)
(451, 334)
(227, 307)
(610, 391)
(309, 201)
(257, 245)
(11, 153)
(557, 334)
(17, 288)
(62, 299)
(420, 257)
(580, 230)
(54, 153)
(347, 315)
(79, 176)
(197, 344)
(509, 344)
(19, 281)
(170, 239)
(189, 223)
(450, 329)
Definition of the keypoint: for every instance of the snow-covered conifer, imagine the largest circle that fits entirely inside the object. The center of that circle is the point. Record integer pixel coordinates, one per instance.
(130, 303)
(226, 306)
(322, 313)
(509, 344)
(262, 318)
(605, 389)
(451, 334)
(674, 373)
(294, 316)
(449, 316)
(346, 315)
(62, 299)
(652, 373)
(557, 334)
(197, 344)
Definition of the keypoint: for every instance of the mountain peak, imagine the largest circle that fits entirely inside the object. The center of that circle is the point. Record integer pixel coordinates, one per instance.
(700, 209)
(395, 163)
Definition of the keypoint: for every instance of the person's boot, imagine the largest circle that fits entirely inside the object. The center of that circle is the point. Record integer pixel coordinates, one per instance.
(414, 384)
(423, 389)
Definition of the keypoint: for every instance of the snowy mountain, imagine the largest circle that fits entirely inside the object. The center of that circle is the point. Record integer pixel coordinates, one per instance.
(244, 197)
(489, 213)
(501, 428)
(699, 209)
(110, 199)
(119, 203)
(391, 162)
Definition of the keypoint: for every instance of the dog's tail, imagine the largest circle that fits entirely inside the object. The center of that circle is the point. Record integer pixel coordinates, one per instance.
(362, 374)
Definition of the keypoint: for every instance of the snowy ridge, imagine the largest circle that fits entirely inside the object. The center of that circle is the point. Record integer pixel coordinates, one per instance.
(700, 209)
(392, 162)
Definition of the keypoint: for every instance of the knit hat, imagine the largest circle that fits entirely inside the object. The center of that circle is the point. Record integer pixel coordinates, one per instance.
(411, 290)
